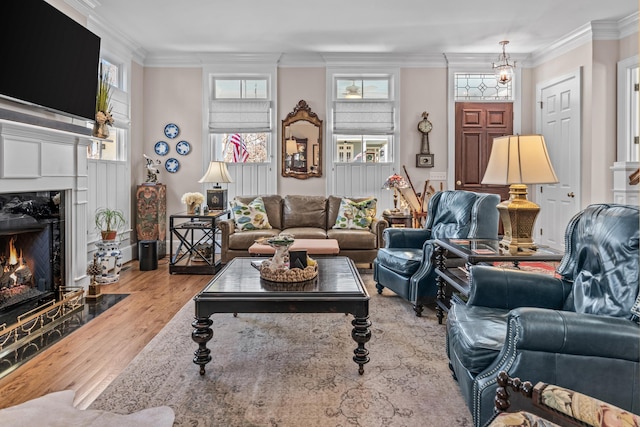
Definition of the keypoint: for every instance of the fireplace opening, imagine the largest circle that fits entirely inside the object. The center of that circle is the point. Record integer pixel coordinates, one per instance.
(31, 250)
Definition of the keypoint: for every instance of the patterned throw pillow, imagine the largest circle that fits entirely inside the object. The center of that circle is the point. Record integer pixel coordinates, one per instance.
(356, 215)
(252, 216)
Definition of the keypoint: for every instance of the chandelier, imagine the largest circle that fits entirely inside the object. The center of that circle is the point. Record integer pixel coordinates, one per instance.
(503, 68)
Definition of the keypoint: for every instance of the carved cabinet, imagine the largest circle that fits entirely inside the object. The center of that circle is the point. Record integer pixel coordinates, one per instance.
(151, 215)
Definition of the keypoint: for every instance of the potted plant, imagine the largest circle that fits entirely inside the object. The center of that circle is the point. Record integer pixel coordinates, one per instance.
(109, 221)
(103, 107)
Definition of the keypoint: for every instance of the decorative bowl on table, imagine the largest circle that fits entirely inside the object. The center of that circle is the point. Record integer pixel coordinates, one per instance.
(277, 268)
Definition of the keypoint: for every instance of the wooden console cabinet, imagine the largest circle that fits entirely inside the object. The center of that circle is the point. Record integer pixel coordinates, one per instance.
(151, 215)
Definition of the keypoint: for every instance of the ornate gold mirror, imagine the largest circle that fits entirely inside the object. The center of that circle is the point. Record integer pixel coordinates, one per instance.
(302, 143)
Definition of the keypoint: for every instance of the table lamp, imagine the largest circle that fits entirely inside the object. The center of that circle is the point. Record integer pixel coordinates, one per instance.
(217, 197)
(518, 160)
(395, 181)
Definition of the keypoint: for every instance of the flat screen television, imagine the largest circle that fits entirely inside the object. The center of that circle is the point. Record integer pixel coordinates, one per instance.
(48, 59)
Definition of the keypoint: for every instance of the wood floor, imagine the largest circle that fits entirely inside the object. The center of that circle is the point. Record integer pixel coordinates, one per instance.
(91, 357)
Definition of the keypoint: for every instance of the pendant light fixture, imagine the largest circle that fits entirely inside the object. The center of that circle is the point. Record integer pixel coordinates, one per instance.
(503, 68)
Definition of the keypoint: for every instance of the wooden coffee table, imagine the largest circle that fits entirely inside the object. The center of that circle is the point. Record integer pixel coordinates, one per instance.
(238, 288)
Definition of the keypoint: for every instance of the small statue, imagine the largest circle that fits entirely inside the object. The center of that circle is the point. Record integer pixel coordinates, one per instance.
(152, 170)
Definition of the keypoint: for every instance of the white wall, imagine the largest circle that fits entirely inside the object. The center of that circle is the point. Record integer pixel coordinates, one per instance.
(172, 95)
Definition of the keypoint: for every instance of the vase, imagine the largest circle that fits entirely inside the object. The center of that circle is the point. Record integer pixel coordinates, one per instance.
(191, 208)
(100, 130)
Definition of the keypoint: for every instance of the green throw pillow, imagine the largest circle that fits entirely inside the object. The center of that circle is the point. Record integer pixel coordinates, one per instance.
(356, 215)
(250, 217)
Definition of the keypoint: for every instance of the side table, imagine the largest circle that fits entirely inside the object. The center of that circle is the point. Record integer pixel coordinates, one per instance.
(197, 244)
(398, 220)
(472, 252)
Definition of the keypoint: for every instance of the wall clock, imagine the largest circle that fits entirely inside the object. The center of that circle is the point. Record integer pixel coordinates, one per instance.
(425, 158)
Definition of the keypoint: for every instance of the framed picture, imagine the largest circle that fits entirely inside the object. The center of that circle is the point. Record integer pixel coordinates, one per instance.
(424, 160)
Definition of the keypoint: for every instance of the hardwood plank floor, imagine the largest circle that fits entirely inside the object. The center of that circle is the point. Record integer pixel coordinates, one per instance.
(91, 357)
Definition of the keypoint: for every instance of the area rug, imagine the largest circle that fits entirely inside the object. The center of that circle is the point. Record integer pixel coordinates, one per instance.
(57, 410)
(297, 370)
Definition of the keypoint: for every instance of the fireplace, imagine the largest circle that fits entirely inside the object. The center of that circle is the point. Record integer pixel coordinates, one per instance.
(32, 249)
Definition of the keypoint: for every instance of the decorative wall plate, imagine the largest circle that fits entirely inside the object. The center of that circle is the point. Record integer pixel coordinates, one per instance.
(161, 148)
(172, 165)
(171, 130)
(183, 148)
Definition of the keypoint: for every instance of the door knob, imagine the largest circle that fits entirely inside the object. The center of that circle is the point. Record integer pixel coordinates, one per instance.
(571, 195)
(458, 182)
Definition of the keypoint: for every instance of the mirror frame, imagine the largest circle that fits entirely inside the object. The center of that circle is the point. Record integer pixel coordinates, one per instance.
(302, 112)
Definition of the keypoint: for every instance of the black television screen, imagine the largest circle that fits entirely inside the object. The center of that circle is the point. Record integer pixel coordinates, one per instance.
(48, 59)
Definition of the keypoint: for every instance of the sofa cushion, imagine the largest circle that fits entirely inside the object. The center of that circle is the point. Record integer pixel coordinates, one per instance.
(354, 239)
(404, 261)
(356, 215)
(304, 211)
(333, 207)
(272, 205)
(251, 216)
(476, 335)
(242, 241)
(307, 232)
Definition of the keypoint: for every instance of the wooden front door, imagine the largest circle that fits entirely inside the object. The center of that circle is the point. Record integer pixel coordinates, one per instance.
(476, 126)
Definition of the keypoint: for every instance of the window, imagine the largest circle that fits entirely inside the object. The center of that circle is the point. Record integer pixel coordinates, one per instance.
(241, 147)
(112, 71)
(240, 119)
(111, 149)
(230, 88)
(363, 119)
(362, 148)
(481, 87)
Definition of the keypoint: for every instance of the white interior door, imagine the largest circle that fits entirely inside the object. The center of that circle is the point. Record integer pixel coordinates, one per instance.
(559, 122)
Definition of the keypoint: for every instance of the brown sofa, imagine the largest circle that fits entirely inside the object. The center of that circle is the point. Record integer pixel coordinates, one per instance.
(304, 217)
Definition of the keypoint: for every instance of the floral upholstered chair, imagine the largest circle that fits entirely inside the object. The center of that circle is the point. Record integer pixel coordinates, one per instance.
(558, 406)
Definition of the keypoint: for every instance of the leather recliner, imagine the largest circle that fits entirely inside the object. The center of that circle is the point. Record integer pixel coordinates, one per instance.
(405, 264)
(577, 330)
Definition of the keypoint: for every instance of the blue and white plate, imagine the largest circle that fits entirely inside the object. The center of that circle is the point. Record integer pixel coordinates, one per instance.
(172, 165)
(161, 148)
(171, 130)
(183, 148)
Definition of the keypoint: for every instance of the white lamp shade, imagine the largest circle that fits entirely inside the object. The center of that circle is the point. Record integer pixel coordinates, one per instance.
(217, 172)
(292, 146)
(519, 159)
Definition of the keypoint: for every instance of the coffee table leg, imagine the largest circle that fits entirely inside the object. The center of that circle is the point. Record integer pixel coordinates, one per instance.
(361, 334)
(201, 335)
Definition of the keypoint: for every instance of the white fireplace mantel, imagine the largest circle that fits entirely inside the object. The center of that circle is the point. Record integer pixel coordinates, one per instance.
(40, 158)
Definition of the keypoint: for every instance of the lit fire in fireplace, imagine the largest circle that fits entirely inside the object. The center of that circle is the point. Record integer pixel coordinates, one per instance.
(14, 270)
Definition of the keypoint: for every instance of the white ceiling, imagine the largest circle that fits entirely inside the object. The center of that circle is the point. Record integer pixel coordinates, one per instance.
(166, 27)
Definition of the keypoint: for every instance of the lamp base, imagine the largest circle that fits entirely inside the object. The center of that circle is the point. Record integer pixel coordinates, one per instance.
(217, 199)
(518, 216)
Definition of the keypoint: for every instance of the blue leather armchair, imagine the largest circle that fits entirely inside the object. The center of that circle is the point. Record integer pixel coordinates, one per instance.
(405, 263)
(577, 330)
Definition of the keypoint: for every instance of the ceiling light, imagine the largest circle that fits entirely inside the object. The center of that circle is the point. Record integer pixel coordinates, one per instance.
(353, 91)
(504, 69)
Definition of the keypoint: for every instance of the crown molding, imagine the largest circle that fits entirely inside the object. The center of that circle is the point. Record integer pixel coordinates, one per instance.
(628, 25)
(596, 30)
(198, 59)
(340, 59)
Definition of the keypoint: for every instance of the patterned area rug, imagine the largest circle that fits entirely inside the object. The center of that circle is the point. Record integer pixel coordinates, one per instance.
(297, 370)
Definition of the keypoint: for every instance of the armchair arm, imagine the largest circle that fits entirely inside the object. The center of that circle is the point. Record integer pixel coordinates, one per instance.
(558, 404)
(507, 288)
(566, 332)
(227, 228)
(405, 237)
(377, 227)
